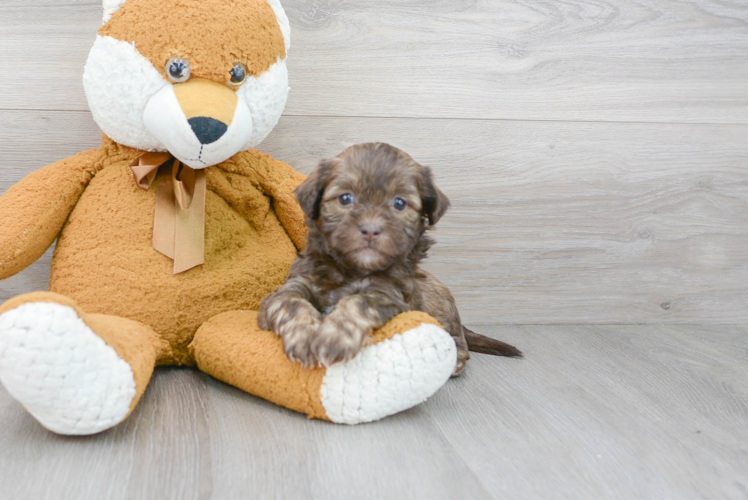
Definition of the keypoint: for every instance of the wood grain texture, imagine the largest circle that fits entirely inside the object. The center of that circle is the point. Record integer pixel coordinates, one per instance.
(44, 48)
(601, 60)
(593, 412)
(605, 412)
(161, 451)
(550, 222)
(268, 452)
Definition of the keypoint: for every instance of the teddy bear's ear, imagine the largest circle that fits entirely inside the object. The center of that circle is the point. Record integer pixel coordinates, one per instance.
(110, 7)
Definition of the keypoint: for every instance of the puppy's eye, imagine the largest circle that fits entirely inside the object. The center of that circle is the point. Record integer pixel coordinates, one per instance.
(238, 75)
(399, 204)
(345, 199)
(178, 69)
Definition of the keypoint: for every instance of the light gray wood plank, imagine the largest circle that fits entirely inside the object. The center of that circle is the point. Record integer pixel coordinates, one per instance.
(613, 60)
(551, 222)
(43, 49)
(161, 451)
(34, 278)
(601, 60)
(730, 344)
(34, 139)
(268, 452)
(603, 412)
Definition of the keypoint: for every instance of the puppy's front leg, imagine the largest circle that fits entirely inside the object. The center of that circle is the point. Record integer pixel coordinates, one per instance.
(289, 313)
(343, 331)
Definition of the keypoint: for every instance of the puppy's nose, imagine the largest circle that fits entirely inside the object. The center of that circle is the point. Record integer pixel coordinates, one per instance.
(370, 231)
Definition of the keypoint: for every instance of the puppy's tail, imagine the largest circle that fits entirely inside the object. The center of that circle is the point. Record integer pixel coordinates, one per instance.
(480, 343)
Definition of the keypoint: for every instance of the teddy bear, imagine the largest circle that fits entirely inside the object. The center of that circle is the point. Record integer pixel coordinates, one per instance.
(173, 230)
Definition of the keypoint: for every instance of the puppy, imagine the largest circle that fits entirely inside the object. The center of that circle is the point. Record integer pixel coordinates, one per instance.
(368, 212)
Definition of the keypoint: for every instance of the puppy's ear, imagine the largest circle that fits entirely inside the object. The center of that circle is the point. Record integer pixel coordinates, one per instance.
(309, 193)
(434, 202)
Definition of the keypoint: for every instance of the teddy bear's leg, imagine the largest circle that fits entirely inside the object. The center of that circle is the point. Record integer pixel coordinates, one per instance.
(408, 360)
(76, 373)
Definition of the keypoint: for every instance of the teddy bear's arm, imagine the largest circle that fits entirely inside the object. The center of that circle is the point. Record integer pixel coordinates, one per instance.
(33, 211)
(278, 180)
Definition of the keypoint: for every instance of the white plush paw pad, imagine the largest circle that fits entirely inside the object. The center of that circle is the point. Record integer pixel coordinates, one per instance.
(389, 377)
(69, 379)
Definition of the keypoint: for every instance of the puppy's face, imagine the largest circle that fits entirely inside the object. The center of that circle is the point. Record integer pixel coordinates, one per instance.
(371, 204)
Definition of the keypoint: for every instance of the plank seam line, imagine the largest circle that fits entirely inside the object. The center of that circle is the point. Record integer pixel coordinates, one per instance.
(627, 122)
(697, 324)
(519, 120)
(88, 4)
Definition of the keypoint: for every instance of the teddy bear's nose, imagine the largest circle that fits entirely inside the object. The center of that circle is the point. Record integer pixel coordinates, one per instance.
(207, 129)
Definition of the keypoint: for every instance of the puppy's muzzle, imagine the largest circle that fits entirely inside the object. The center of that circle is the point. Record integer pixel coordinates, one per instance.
(370, 232)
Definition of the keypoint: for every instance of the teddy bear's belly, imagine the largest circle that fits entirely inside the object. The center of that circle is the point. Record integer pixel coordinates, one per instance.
(105, 261)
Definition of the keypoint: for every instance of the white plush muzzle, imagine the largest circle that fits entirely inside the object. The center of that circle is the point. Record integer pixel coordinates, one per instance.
(164, 119)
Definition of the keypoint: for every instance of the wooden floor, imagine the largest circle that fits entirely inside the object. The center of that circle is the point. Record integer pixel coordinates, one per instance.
(596, 156)
(593, 412)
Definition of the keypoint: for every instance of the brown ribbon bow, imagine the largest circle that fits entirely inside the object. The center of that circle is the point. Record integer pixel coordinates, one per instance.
(179, 217)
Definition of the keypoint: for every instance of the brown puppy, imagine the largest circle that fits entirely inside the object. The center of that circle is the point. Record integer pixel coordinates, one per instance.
(368, 211)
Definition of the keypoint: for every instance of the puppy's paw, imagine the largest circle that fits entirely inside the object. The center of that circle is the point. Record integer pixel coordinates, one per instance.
(298, 332)
(462, 356)
(298, 346)
(338, 340)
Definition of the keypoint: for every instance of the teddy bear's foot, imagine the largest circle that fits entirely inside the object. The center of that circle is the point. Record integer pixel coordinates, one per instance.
(62, 372)
(409, 359)
(390, 376)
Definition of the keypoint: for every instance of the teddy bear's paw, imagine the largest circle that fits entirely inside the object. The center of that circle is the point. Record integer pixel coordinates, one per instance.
(69, 379)
(390, 376)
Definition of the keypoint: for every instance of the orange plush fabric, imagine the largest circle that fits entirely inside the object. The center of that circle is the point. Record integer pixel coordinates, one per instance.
(232, 348)
(252, 36)
(105, 260)
(32, 218)
(402, 323)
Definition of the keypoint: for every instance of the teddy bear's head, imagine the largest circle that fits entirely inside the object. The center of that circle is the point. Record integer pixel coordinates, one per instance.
(201, 79)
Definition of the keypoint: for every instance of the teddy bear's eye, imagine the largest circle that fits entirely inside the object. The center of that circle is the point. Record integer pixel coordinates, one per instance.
(238, 74)
(178, 69)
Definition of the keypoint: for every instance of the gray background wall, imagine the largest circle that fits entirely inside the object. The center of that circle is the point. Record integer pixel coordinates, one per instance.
(596, 153)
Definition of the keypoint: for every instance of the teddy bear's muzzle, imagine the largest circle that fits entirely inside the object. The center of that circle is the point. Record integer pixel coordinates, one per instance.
(200, 122)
